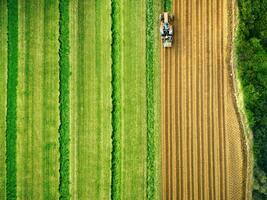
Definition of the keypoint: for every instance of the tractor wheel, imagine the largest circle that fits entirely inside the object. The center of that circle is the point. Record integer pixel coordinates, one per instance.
(171, 17)
(161, 17)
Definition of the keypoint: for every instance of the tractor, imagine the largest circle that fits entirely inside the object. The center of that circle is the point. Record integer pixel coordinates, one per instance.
(166, 29)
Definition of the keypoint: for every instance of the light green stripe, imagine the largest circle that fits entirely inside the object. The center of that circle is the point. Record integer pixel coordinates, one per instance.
(90, 100)
(134, 100)
(30, 119)
(50, 105)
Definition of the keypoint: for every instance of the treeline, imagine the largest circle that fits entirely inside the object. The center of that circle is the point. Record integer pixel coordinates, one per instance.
(251, 51)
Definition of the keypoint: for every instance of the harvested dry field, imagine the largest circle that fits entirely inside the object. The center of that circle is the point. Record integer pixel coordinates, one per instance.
(204, 154)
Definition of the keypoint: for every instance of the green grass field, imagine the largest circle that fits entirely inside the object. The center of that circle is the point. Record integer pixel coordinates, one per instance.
(80, 118)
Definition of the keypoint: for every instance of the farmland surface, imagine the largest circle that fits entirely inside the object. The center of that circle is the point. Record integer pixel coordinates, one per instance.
(204, 153)
(80, 113)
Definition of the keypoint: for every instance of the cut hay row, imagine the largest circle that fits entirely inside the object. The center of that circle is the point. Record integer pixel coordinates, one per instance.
(11, 116)
(3, 97)
(116, 98)
(64, 129)
(90, 99)
(38, 114)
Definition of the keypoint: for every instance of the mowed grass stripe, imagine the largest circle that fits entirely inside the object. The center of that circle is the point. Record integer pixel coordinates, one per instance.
(90, 99)
(12, 80)
(157, 101)
(29, 156)
(3, 97)
(153, 99)
(134, 130)
(50, 105)
(73, 27)
(103, 75)
(64, 129)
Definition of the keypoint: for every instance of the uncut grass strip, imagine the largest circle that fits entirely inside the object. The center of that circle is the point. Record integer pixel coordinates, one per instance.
(12, 82)
(150, 93)
(116, 99)
(3, 97)
(64, 138)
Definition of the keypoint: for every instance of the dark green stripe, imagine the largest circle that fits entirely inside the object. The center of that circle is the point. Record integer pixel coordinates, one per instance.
(64, 129)
(12, 81)
(116, 100)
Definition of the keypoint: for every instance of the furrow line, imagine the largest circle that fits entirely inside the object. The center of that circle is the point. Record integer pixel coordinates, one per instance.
(198, 103)
(166, 124)
(174, 139)
(220, 101)
(163, 94)
(215, 103)
(208, 87)
(176, 7)
(223, 102)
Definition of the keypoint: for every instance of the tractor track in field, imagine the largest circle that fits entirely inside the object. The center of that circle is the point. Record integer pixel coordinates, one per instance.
(203, 154)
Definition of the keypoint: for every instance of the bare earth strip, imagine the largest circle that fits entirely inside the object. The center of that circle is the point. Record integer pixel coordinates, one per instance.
(38, 118)
(203, 149)
(133, 81)
(90, 102)
(3, 86)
